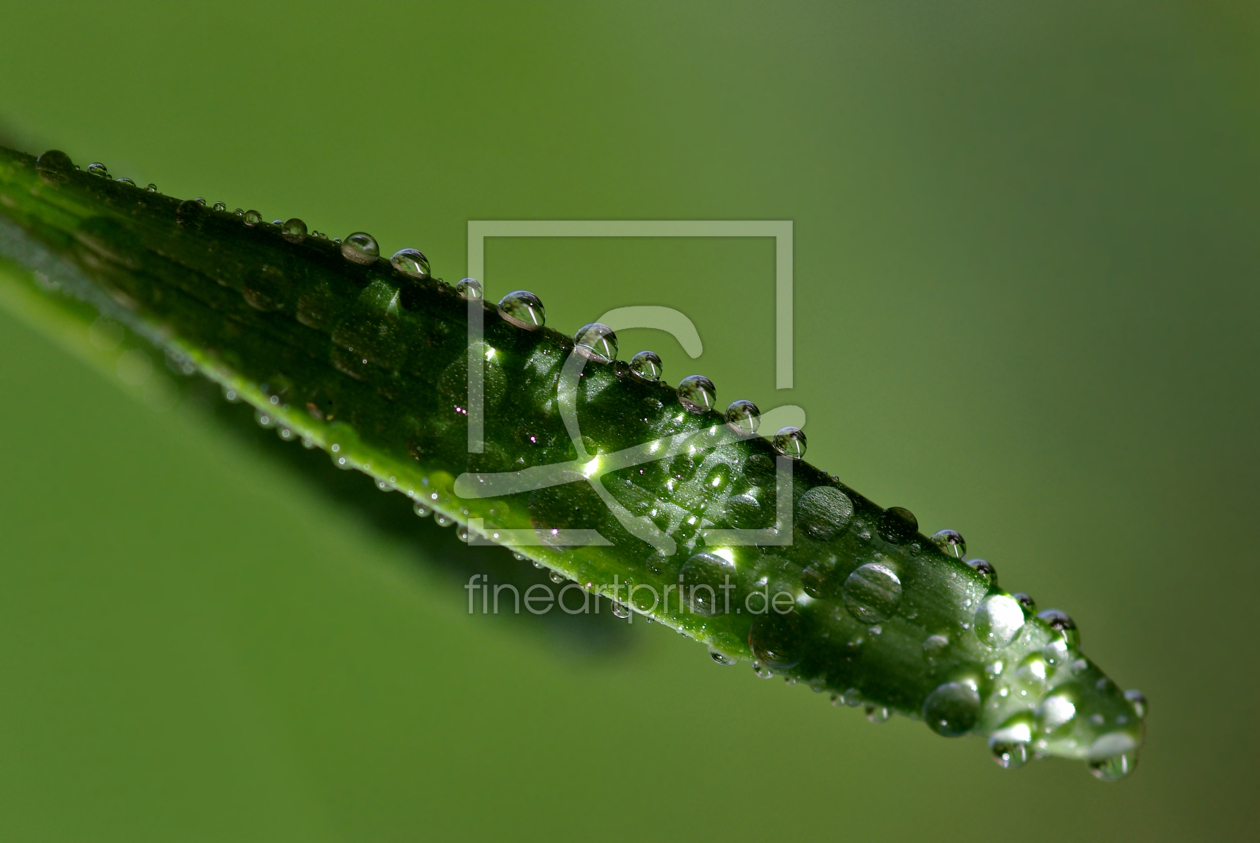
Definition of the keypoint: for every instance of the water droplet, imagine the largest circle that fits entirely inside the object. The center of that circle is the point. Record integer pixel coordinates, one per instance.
(1060, 622)
(620, 610)
(151, 187)
(127, 181)
(98, 169)
(697, 394)
(253, 218)
(441, 520)
(523, 309)
(872, 593)
(646, 366)
(597, 342)
(470, 289)
(952, 709)
(984, 569)
(1138, 700)
(877, 713)
(1112, 756)
(705, 582)
(1026, 603)
(361, 248)
(775, 639)
(54, 166)
(410, 262)
(423, 510)
(934, 647)
(897, 525)
(743, 417)
(1114, 768)
(824, 512)
(1054, 712)
(998, 620)
(219, 206)
(556, 577)
(761, 671)
(790, 442)
(722, 658)
(293, 230)
(1008, 754)
(239, 212)
(950, 542)
(189, 213)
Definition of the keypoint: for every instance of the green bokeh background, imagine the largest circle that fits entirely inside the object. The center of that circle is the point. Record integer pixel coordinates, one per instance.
(1026, 308)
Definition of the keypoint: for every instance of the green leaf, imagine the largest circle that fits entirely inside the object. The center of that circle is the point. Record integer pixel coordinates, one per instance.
(623, 485)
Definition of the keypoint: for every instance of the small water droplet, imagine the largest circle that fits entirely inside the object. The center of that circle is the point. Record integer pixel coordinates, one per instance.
(762, 671)
(872, 593)
(934, 647)
(952, 709)
(790, 442)
(877, 713)
(983, 568)
(361, 248)
(556, 577)
(743, 417)
(950, 542)
(219, 206)
(775, 639)
(462, 534)
(98, 169)
(1138, 700)
(238, 212)
(897, 525)
(127, 181)
(646, 365)
(1026, 603)
(998, 620)
(705, 582)
(1059, 622)
(470, 289)
(1054, 712)
(824, 512)
(423, 510)
(1112, 756)
(597, 342)
(518, 556)
(523, 309)
(54, 166)
(1009, 754)
(293, 230)
(442, 520)
(410, 262)
(621, 610)
(189, 213)
(253, 218)
(697, 394)
(151, 187)
(722, 658)
(1114, 768)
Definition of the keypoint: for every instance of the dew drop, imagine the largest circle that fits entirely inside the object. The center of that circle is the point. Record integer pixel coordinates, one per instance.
(1054, 712)
(523, 309)
(705, 583)
(410, 262)
(620, 610)
(98, 169)
(293, 230)
(743, 417)
(151, 187)
(872, 593)
(762, 671)
(252, 218)
(790, 442)
(998, 620)
(934, 648)
(556, 577)
(127, 181)
(1026, 603)
(1114, 768)
(646, 366)
(775, 639)
(360, 247)
(983, 568)
(1138, 700)
(470, 289)
(722, 658)
(877, 713)
(1060, 622)
(697, 394)
(952, 709)
(950, 542)
(442, 520)
(54, 166)
(422, 510)
(1009, 754)
(219, 206)
(189, 213)
(597, 342)
(824, 512)
(897, 525)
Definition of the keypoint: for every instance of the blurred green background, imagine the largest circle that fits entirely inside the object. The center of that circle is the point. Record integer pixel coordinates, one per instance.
(1026, 308)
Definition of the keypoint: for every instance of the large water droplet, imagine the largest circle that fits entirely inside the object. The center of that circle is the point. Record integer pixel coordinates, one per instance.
(950, 542)
(952, 709)
(897, 525)
(470, 289)
(410, 262)
(646, 365)
(293, 230)
(1054, 712)
(872, 593)
(934, 649)
(98, 169)
(190, 213)
(743, 417)
(54, 166)
(790, 442)
(1112, 756)
(523, 309)
(359, 247)
(705, 582)
(597, 342)
(775, 639)
(824, 512)
(252, 218)
(697, 394)
(998, 620)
